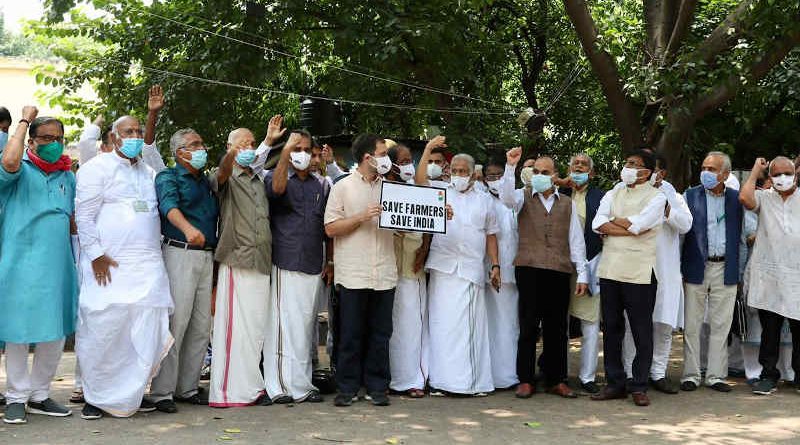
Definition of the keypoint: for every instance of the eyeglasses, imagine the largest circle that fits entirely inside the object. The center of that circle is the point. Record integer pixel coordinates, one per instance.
(494, 177)
(48, 138)
(633, 164)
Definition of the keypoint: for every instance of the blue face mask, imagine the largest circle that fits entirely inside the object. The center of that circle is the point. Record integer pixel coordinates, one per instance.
(541, 183)
(199, 159)
(246, 157)
(708, 179)
(579, 178)
(131, 147)
(3, 140)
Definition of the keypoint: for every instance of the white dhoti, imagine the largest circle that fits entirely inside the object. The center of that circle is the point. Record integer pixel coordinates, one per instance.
(290, 320)
(502, 309)
(408, 347)
(459, 335)
(240, 322)
(119, 349)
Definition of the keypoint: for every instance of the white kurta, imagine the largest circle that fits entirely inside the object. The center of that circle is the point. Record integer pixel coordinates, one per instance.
(774, 272)
(502, 307)
(460, 361)
(669, 297)
(123, 328)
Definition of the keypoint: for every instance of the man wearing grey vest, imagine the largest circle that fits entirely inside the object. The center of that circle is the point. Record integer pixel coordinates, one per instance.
(551, 247)
(629, 219)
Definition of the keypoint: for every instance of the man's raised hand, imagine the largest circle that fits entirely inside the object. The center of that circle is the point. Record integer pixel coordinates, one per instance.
(513, 156)
(155, 98)
(274, 130)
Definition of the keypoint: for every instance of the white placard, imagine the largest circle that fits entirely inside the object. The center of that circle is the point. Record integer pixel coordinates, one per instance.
(413, 208)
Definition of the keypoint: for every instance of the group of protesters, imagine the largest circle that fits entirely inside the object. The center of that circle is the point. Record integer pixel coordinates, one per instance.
(147, 264)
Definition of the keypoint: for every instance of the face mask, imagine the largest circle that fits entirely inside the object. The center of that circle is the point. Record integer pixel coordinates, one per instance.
(708, 179)
(460, 183)
(407, 171)
(198, 159)
(131, 147)
(246, 157)
(494, 186)
(50, 152)
(3, 140)
(783, 183)
(579, 178)
(382, 164)
(300, 160)
(629, 175)
(541, 183)
(525, 175)
(434, 171)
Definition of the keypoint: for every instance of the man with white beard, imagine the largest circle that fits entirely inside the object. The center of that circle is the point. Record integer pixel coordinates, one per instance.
(460, 361)
(123, 324)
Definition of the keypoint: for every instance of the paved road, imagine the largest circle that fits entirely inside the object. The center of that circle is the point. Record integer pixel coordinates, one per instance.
(702, 417)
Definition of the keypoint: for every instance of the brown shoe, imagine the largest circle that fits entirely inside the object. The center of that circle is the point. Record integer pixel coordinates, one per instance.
(610, 394)
(562, 390)
(640, 398)
(525, 391)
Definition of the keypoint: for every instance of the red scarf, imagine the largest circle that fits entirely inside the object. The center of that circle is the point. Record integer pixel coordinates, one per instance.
(64, 163)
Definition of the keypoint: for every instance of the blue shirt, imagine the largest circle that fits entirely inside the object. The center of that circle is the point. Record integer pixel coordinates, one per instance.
(715, 211)
(298, 231)
(38, 277)
(177, 188)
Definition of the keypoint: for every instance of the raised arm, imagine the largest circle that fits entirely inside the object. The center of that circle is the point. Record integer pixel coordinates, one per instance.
(421, 176)
(12, 155)
(87, 145)
(226, 167)
(281, 175)
(332, 169)
(274, 132)
(155, 102)
(509, 195)
(747, 194)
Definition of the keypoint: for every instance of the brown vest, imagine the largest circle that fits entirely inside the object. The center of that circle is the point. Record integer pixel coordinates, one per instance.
(544, 237)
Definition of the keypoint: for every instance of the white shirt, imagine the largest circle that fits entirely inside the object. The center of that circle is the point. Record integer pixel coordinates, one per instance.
(507, 239)
(87, 149)
(461, 251)
(651, 216)
(515, 198)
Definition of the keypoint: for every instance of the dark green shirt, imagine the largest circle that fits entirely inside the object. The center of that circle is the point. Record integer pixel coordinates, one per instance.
(178, 189)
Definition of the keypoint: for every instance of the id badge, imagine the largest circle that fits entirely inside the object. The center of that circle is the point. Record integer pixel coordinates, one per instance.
(140, 206)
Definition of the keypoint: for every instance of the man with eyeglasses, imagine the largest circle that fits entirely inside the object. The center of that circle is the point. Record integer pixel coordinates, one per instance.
(37, 270)
(189, 216)
(710, 267)
(629, 219)
(125, 302)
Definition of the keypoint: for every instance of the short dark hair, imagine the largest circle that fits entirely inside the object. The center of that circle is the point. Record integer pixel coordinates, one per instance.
(647, 157)
(661, 161)
(439, 150)
(5, 115)
(44, 120)
(364, 143)
(395, 151)
(305, 133)
(105, 136)
(495, 161)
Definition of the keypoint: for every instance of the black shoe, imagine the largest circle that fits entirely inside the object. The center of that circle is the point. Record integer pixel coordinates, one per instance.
(2, 400)
(721, 387)
(314, 397)
(263, 400)
(688, 386)
(736, 373)
(664, 385)
(283, 400)
(764, 387)
(91, 412)
(380, 399)
(590, 387)
(195, 399)
(147, 406)
(166, 406)
(343, 399)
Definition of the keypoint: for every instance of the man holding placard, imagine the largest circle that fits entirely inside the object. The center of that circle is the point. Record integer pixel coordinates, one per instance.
(459, 348)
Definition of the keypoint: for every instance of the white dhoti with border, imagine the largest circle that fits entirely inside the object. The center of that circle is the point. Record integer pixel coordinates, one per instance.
(240, 323)
(502, 309)
(408, 347)
(291, 316)
(460, 361)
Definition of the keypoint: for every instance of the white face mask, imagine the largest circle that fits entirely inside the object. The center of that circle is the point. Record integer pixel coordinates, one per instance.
(382, 164)
(783, 183)
(300, 160)
(654, 179)
(406, 171)
(434, 171)
(460, 183)
(494, 186)
(629, 175)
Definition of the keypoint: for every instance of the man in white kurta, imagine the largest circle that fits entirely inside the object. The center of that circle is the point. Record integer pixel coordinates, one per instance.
(667, 314)
(460, 359)
(774, 274)
(502, 306)
(124, 305)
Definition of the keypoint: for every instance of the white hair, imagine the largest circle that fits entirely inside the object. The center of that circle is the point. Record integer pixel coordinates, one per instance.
(582, 155)
(177, 139)
(465, 157)
(777, 160)
(726, 160)
(115, 124)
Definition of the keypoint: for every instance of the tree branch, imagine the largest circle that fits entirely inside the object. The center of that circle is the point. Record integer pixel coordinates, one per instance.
(722, 38)
(682, 23)
(604, 67)
(760, 68)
